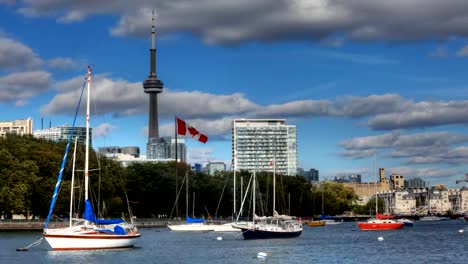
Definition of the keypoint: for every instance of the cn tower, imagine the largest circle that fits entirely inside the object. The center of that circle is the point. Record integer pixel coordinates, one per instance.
(152, 85)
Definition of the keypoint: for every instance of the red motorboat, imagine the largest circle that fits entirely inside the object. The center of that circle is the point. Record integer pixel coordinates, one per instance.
(380, 224)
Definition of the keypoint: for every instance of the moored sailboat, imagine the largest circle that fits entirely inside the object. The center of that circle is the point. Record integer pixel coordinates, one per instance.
(266, 227)
(380, 222)
(90, 232)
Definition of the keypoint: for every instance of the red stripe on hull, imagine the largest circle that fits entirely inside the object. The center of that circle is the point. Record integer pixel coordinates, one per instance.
(94, 236)
(376, 227)
(107, 248)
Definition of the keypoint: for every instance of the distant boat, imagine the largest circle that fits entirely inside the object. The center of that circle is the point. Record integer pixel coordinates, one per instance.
(405, 221)
(433, 218)
(466, 217)
(90, 232)
(380, 222)
(315, 223)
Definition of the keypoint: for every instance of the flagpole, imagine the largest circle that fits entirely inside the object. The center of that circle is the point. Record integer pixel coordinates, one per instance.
(176, 187)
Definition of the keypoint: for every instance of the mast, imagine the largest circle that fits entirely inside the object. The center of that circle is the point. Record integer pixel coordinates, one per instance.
(274, 183)
(234, 192)
(186, 196)
(88, 89)
(323, 202)
(253, 197)
(376, 196)
(72, 182)
(241, 192)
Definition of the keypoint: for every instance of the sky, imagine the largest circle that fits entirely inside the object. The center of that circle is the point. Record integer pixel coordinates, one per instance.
(356, 77)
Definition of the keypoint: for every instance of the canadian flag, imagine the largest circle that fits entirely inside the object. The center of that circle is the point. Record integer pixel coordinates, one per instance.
(184, 129)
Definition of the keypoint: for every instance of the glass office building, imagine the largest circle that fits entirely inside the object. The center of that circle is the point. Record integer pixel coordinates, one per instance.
(257, 143)
(164, 148)
(63, 132)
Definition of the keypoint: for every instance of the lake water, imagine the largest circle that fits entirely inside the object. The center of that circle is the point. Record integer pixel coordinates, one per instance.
(426, 242)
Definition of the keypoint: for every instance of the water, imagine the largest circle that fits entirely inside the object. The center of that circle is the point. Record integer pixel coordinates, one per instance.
(426, 242)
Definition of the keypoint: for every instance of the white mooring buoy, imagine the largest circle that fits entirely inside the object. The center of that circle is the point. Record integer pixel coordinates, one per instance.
(460, 231)
(261, 255)
(380, 239)
(219, 238)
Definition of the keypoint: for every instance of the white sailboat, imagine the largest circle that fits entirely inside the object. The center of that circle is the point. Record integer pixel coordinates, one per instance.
(89, 233)
(192, 224)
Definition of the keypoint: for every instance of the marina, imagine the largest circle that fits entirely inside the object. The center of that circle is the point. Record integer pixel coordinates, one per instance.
(426, 242)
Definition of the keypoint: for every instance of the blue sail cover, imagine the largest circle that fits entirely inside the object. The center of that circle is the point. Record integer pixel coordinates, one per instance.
(89, 215)
(194, 220)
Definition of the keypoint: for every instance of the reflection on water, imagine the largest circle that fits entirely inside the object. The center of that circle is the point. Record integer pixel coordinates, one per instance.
(426, 242)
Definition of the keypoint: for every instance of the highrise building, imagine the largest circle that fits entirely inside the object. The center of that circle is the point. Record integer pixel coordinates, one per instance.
(312, 175)
(20, 127)
(163, 148)
(259, 143)
(63, 132)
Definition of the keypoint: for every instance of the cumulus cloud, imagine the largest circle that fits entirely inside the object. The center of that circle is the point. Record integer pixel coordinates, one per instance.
(14, 54)
(232, 22)
(422, 114)
(62, 63)
(103, 130)
(123, 98)
(19, 87)
(419, 148)
(384, 112)
(424, 172)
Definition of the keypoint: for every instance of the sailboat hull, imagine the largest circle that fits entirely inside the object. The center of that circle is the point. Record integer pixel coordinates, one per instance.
(76, 238)
(262, 234)
(380, 226)
(90, 241)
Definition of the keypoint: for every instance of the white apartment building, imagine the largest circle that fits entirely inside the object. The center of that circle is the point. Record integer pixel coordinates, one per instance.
(20, 127)
(257, 144)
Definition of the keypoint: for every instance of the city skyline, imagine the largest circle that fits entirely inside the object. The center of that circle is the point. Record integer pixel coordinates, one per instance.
(347, 75)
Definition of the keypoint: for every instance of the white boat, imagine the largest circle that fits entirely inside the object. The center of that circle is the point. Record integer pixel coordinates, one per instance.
(405, 221)
(89, 233)
(433, 218)
(331, 222)
(196, 227)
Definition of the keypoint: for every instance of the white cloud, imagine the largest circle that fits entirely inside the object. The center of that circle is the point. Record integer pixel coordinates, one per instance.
(19, 87)
(233, 22)
(409, 172)
(14, 54)
(102, 130)
(62, 63)
(419, 148)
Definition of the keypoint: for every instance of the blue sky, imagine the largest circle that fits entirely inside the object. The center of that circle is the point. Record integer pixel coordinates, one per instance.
(354, 76)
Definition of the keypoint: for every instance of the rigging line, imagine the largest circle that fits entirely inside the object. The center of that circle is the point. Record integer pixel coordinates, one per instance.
(177, 197)
(59, 178)
(220, 198)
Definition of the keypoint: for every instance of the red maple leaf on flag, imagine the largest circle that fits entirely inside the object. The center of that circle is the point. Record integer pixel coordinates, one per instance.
(193, 131)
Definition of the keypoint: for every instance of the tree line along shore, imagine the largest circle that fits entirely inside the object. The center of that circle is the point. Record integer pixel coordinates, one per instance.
(29, 168)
